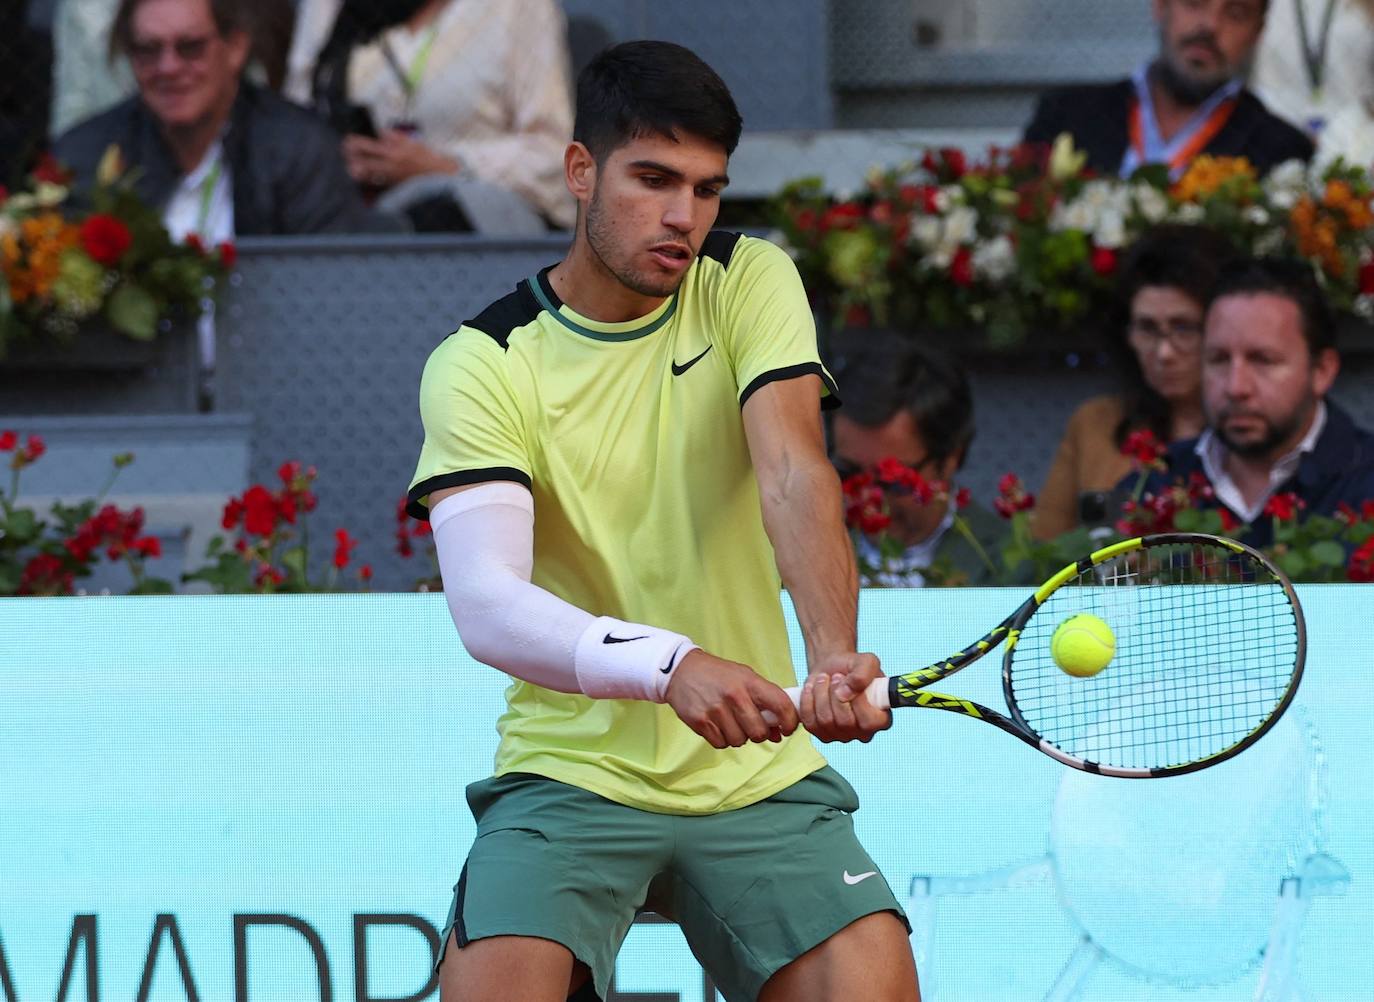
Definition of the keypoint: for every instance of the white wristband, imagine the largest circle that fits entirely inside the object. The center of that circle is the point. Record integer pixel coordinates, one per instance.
(619, 660)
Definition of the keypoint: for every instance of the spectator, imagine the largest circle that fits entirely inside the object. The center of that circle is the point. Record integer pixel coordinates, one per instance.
(1316, 60)
(27, 52)
(470, 103)
(88, 78)
(221, 156)
(906, 403)
(1190, 100)
(1155, 340)
(1268, 360)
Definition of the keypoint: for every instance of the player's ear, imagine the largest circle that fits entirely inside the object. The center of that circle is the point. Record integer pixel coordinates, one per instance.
(579, 171)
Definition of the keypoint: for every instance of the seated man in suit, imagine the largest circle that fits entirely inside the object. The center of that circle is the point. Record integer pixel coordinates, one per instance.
(906, 403)
(1191, 99)
(1268, 361)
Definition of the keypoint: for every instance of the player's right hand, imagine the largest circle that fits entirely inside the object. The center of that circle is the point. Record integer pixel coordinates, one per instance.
(721, 700)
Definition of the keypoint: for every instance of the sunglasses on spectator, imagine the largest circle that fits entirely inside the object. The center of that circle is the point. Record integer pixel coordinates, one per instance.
(1180, 334)
(188, 50)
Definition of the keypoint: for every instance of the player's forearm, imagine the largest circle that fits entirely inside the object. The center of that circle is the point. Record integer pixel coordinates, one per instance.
(803, 515)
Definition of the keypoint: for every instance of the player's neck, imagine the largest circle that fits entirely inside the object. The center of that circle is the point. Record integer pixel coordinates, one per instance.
(586, 285)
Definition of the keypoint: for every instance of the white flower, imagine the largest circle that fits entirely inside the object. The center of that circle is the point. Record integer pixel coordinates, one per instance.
(925, 231)
(1289, 175)
(1150, 202)
(1190, 212)
(994, 259)
(1110, 231)
(1257, 215)
(948, 197)
(1269, 242)
(961, 226)
(1364, 306)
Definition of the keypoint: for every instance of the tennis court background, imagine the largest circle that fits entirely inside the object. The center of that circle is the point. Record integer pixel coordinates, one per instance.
(293, 767)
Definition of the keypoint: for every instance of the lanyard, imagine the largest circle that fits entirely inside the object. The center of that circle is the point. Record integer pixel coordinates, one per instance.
(207, 193)
(1148, 146)
(1314, 59)
(409, 79)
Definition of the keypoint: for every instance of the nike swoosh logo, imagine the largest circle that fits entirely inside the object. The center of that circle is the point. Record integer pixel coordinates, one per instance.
(680, 369)
(851, 881)
(608, 639)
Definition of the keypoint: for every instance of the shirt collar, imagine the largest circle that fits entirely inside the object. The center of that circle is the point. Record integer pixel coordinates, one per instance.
(1212, 452)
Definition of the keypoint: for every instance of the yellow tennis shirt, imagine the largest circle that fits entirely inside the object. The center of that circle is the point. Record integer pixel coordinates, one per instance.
(646, 508)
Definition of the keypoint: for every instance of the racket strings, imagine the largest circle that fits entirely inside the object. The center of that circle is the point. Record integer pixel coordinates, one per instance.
(1206, 643)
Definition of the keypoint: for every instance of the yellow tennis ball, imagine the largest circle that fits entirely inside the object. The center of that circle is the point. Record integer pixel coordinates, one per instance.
(1083, 645)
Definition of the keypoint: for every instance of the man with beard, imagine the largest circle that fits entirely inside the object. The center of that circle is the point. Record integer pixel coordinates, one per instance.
(1188, 101)
(623, 460)
(1268, 360)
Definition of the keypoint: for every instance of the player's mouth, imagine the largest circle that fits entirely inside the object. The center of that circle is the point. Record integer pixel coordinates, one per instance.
(671, 256)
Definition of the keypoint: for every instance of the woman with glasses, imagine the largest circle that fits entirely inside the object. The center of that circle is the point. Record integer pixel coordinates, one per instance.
(1155, 341)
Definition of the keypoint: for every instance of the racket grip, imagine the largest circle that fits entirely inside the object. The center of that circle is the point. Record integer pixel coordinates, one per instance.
(876, 694)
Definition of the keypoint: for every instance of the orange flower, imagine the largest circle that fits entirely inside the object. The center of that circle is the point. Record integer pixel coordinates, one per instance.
(30, 261)
(1207, 174)
(1318, 232)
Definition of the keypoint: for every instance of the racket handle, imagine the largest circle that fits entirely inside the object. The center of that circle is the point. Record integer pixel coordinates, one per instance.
(876, 694)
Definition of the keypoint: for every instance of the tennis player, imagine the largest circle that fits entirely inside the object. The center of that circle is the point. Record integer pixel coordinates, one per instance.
(622, 460)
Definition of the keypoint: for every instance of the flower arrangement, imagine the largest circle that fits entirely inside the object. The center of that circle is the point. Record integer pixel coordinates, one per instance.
(62, 267)
(1309, 548)
(270, 548)
(1030, 240)
(46, 556)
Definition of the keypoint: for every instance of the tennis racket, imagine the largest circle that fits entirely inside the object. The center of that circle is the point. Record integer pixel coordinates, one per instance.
(1210, 645)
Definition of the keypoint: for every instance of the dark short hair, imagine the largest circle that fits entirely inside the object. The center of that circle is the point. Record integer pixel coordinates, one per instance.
(1171, 256)
(652, 88)
(880, 373)
(1292, 279)
(229, 17)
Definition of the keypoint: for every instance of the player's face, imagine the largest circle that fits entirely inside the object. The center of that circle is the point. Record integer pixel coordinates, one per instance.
(857, 448)
(653, 202)
(187, 72)
(1207, 42)
(1260, 383)
(1166, 336)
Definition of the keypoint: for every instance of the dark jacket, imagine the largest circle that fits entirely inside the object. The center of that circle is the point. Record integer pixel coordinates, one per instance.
(1098, 118)
(1339, 469)
(285, 165)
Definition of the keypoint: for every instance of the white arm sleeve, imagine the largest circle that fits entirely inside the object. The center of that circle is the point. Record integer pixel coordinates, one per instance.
(484, 539)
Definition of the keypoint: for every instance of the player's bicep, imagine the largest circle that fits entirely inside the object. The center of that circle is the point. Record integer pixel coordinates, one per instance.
(782, 424)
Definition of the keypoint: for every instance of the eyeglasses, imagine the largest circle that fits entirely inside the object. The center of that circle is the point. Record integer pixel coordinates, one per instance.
(1181, 334)
(146, 54)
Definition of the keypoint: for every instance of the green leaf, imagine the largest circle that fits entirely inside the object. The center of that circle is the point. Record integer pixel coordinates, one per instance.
(294, 562)
(1328, 552)
(1188, 520)
(22, 526)
(152, 586)
(133, 311)
(1293, 564)
(9, 579)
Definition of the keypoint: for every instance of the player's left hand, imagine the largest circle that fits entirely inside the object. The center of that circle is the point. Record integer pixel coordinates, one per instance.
(832, 703)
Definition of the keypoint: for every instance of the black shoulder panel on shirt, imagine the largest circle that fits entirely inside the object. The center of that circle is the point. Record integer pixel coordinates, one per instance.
(507, 314)
(719, 245)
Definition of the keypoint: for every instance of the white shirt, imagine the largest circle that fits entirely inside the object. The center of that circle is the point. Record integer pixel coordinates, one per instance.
(1280, 75)
(203, 203)
(1212, 451)
(493, 89)
(904, 571)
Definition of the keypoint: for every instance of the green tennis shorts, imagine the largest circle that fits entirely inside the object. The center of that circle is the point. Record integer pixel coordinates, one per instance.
(752, 889)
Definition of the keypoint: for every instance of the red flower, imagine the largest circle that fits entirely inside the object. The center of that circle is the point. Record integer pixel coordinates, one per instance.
(1105, 261)
(1367, 279)
(286, 507)
(148, 546)
(1284, 507)
(260, 511)
(955, 161)
(1012, 496)
(365, 572)
(1229, 522)
(961, 268)
(962, 499)
(196, 244)
(34, 448)
(1143, 447)
(228, 255)
(268, 576)
(49, 171)
(233, 514)
(805, 220)
(105, 239)
(871, 522)
(45, 574)
(343, 548)
(289, 471)
(8, 440)
(891, 471)
(844, 216)
(1361, 566)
